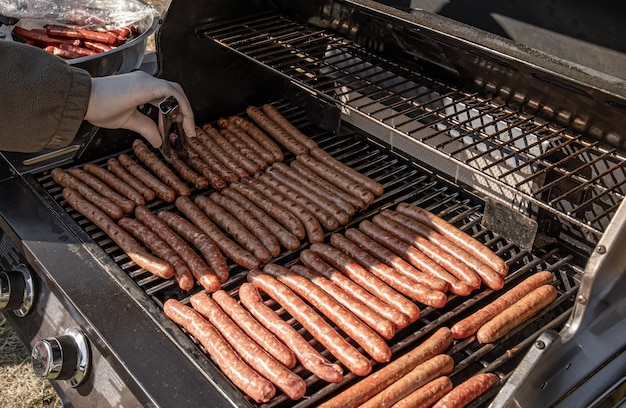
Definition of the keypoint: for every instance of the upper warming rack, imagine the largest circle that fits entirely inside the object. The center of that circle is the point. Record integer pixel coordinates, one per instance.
(535, 164)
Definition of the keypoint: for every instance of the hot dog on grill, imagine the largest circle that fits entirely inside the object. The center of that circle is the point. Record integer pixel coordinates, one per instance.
(258, 135)
(219, 153)
(162, 191)
(286, 380)
(363, 335)
(316, 264)
(308, 356)
(454, 234)
(159, 168)
(115, 183)
(257, 332)
(312, 321)
(200, 270)
(245, 150)
(278, 133)
(196, 163)
(231, 249)
(255, 146)
(209, 250)
(231, 364)
(374, 383)
(426, 395)
(421, 375)
(277, 117)
(226, 153)
(516, 314)
(467, 391)
(470, 325)
(366, 280)
(118, 170)
(125, 241)
(103, 189)
(198, 149)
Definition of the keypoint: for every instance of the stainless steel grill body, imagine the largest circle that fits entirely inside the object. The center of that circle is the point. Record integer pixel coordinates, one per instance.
(513, 146)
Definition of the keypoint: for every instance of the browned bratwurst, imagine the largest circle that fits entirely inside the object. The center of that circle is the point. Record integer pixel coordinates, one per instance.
(260, 136)
(65, 179)
(374, 383)
(116, 183)
(278, 133)
(200, 270)
(427, 395)
(209, 249)
(312, 322)
(220, 154)
(117, 169)
(246, 139)
(454, 234)
(309, 357)
(103, 189)
(160, 248)
(244, 377)
(217, 139)
(287, 126)
(381, 325)
(257, 332)
(125, 241)
(206, 156)
(159, 168)
(286, 380)
(231, 249)
(467, 391)
(243, 148)
(362, 334)
(318, 265)
(162, 191)
(196, 163)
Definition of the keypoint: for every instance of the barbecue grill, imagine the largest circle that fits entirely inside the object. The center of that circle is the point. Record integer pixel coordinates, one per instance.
(521, 149)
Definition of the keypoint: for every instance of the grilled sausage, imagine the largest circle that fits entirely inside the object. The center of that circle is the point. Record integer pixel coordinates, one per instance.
(426, 395)
(312, 226)
(159, 168)
(125, 241)
(117, 169)
(413, 256)
(232, 250)
(325, 219)
(198, 148)
(273, 114)
(223, 219)
(362, 334)
(490, 277)
(375, 187)
(244, 377)
(243, 148)
(276, 211)
(394, 261)
(103, 189)
(374, 383)
(231, 126)
(116, 183)
(219, 153)
(162, 191)
(254, 329)
(196, 163)
(421, 375)
(203, 274)
(160, 248)
(308, 356)
(384, 327)
(280, 172)
(278, 133)
(467, 391)
(258, 135)
(312, 322)
(461, 271)
(388, 275)
(454, 234)
(266, 365)
(226, 153)
(316, 264)
(470, 325)
(516, 314)
(333, 176)
(286, 238)
(188, 174)
(209, 250)
(324, 187)
(65, 179)
(248, 220)
(349, 267)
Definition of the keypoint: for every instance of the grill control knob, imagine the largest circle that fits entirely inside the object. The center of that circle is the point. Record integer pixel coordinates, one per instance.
(17, 290)
(64, 357)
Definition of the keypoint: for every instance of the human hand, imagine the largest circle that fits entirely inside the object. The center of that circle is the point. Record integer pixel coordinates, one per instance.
(114, 100)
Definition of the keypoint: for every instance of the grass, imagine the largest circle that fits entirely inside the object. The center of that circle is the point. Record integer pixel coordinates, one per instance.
(19, 387)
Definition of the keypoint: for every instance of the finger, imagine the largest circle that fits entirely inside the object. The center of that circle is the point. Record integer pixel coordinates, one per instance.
(145, 127)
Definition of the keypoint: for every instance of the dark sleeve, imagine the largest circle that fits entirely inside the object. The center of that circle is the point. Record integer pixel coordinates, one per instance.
(43, 100)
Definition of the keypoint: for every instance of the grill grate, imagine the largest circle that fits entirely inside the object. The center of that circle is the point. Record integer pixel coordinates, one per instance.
(541, 164)
(403, 182)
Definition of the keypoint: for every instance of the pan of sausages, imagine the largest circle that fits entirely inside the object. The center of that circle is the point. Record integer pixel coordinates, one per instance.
(350, 284)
